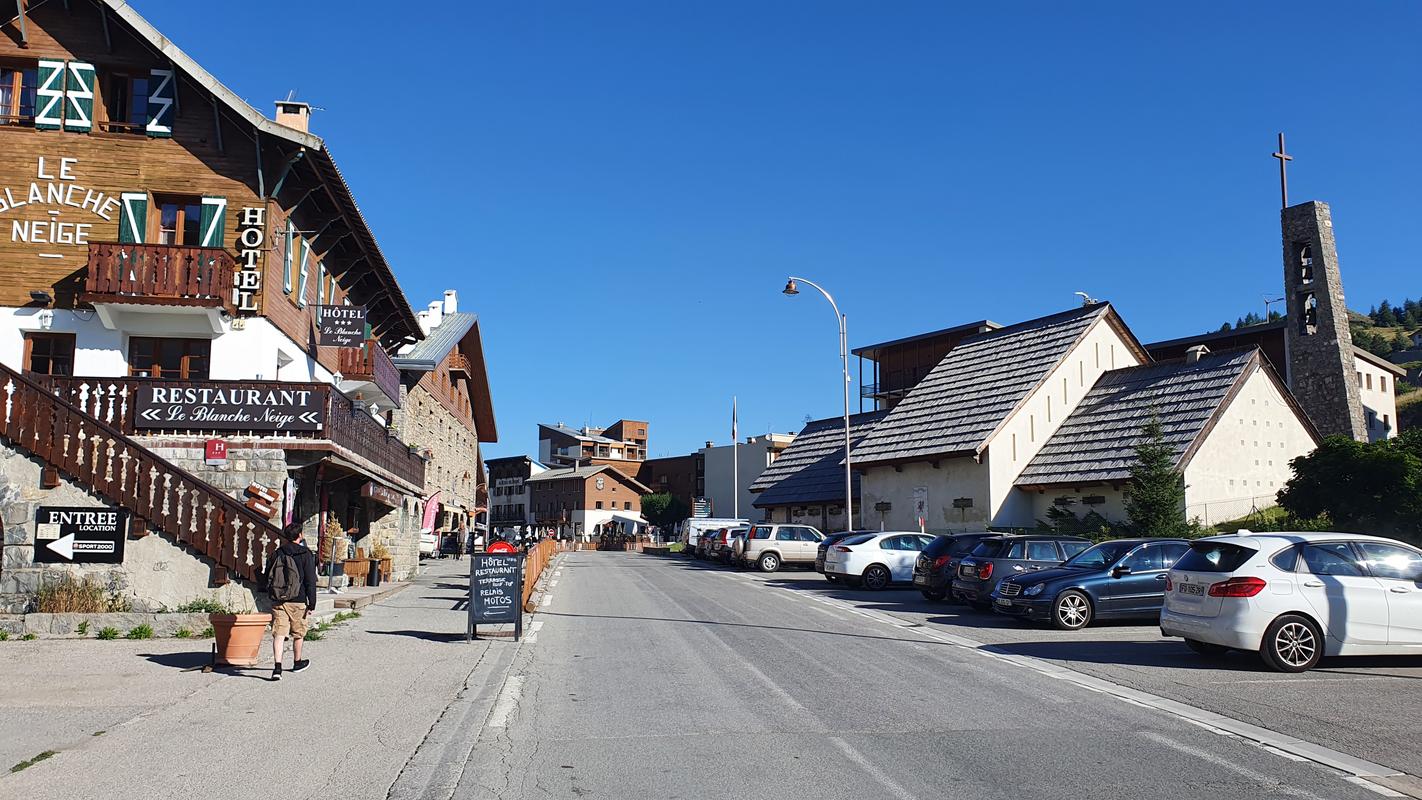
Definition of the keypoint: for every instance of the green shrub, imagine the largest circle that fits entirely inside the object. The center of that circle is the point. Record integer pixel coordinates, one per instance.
(182, 633)
(83, 629)
(142, 631)
(314, 635)
(33, 761)
(108, 632)
(4, 635)
(29, 637)
(207, 633)
(204, 605)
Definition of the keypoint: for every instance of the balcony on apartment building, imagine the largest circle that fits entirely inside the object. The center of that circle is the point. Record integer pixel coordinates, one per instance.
(318, 418)
(368, 374)
(126, 278)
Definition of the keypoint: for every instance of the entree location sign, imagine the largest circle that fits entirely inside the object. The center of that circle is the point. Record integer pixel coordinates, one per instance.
(235, 408)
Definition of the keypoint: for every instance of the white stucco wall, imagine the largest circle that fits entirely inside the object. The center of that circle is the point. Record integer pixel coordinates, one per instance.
(1114, 509)
(1245, 460)
(754, 458)
(1377, 390)
(952, 479)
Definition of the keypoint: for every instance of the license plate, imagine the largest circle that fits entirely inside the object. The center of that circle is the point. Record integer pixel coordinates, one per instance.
(969, 572)
(1004, 602)
(1190, 588)
(920, 580)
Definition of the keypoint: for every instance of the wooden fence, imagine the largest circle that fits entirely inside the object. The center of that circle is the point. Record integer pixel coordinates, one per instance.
(533, 564)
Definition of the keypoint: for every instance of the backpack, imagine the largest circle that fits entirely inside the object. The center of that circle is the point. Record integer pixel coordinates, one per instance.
(286, 584)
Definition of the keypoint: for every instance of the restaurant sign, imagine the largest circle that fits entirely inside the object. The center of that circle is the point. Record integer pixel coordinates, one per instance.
(235, 408)
(382, 494)
(340, 326)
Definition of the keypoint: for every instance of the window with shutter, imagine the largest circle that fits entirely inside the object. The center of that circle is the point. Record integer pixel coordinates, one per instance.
(79, 94)
(162, 93)
(133, 217)
(214, 219)
(305, 274)
(49, 109)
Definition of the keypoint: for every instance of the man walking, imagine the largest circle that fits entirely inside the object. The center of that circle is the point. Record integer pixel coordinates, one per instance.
(291, 585)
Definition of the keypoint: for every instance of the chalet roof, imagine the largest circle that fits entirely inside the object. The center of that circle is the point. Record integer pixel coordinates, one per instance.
(1097, 441)
(441, 340)
(577, 434)
(962, 402)
(400, 319)
(455, 331)
(587, 471)
(1263, 333)
(811, 469)
(871, 351)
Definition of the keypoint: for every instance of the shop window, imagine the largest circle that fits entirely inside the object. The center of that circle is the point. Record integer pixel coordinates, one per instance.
(179, 219)
(126, 103)
(49, 353)
(169, 359)
(17, 95)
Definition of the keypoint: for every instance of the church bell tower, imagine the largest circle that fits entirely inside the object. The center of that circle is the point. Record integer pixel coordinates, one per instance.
(1321, 368)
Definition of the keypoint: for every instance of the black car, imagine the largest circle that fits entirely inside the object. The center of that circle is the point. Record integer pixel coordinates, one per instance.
(829, 541)
(936, 566)
(1121, 578)
(1005, 555)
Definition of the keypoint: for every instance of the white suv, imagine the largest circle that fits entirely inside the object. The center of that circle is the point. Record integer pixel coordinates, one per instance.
(767, 546)
(1296, 597)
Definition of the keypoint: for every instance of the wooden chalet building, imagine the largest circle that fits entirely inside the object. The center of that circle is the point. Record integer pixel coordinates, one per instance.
(183, 275)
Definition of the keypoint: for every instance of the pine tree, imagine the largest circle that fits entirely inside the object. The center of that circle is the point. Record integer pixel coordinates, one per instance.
(1155, 498)
(1385, 316)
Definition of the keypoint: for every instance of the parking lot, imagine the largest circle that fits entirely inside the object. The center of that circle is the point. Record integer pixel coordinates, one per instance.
(1366, 707)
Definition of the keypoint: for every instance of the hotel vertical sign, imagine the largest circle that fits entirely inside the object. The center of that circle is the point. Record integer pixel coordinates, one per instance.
(251, 240)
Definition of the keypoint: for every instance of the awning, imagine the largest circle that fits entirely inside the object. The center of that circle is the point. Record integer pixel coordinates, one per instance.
(635, 520)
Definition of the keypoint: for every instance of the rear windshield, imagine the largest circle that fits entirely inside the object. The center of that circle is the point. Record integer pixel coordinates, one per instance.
(940, 546)
(989, 548)
(1214, 557)
(856, 539)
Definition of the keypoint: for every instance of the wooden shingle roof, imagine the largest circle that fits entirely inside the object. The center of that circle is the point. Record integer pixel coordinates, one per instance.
(811, 470)
(1097, 442)
(956, 408)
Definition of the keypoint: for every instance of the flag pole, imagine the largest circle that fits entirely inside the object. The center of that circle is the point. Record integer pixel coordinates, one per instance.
(735, 464)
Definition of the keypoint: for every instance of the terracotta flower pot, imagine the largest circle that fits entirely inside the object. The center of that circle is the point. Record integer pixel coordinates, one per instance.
(239, 637)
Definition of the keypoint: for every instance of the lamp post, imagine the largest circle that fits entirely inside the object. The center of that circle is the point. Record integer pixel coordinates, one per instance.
(791, 289)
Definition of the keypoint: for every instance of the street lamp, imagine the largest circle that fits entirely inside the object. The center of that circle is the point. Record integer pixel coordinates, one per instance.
(791, 290)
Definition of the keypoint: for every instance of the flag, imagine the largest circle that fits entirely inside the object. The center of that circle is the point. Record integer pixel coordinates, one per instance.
(734, 435)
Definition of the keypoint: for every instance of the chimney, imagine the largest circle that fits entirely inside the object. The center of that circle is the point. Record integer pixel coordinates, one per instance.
(1193, 354)
(710, 443)
(436, 313)
(424, 317)
(451, 301)
(294, 114)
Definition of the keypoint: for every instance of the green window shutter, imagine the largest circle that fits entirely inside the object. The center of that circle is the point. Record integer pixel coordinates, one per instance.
(305, 274)
(214, 218)
(321, 284)
(162, 95)
(133, 217)
(49, 96)
(79, 97)
(286, 259)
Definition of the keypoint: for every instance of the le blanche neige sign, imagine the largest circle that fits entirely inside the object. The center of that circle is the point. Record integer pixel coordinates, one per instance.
(72, 535)
(230, 408)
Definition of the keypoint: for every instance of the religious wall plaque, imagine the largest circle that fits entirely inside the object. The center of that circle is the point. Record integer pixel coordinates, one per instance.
(340, 326)
(234, 407)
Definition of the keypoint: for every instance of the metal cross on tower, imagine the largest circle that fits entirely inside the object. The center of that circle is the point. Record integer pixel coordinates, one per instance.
(1284, 159)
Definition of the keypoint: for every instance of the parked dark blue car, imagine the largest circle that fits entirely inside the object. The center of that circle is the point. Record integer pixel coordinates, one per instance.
(1116, 579)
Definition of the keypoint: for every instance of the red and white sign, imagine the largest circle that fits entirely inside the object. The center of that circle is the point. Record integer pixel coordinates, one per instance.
(501, 547)
(215, 452)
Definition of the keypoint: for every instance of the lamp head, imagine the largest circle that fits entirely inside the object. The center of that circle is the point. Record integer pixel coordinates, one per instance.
(790, 288)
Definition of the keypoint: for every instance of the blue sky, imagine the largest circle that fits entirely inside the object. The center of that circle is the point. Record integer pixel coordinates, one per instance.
(619, 189)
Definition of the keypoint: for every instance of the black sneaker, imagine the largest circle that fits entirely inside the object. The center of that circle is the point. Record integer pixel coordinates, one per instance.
(297, 666)
(276, 672)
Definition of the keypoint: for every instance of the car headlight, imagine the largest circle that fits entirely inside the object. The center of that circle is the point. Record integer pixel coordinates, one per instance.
(1033, 591)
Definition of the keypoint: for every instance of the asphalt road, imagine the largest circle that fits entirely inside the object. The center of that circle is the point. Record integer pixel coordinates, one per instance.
(650, 677)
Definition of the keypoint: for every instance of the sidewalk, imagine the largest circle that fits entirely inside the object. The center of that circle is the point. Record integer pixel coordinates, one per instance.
(126, 718)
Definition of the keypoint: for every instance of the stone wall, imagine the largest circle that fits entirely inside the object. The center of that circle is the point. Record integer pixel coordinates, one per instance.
(157, 574)
(453, 448)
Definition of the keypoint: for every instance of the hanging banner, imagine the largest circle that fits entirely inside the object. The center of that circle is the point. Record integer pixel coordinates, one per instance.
(340, 326)
(431, 512)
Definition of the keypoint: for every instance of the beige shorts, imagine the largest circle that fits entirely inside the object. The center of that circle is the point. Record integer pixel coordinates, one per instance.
(289, 619)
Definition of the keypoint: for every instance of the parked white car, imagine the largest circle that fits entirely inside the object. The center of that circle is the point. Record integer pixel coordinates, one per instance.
(1296, 597)
(876, 559)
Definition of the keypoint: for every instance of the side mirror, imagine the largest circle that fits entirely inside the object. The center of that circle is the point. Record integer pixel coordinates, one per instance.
(1120, 571)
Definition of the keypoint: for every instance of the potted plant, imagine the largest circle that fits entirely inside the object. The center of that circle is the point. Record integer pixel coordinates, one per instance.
(239, 636)
(331, 549)
(387, 563)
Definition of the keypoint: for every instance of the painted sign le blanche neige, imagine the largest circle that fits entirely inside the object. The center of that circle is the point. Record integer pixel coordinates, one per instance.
(55, 189)
(236, 408)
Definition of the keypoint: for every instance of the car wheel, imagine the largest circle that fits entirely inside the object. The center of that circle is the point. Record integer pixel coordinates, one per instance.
(1071, 611)
(1206, 648)
(832, 578)
(1291, 644)
(876, 577)
(769, 562)
(927, 595)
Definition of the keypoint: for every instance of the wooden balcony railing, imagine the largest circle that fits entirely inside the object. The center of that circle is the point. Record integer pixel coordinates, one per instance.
(113, 401)
(160, 495)
(173, 274)
(459, 363)
(370, 362)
